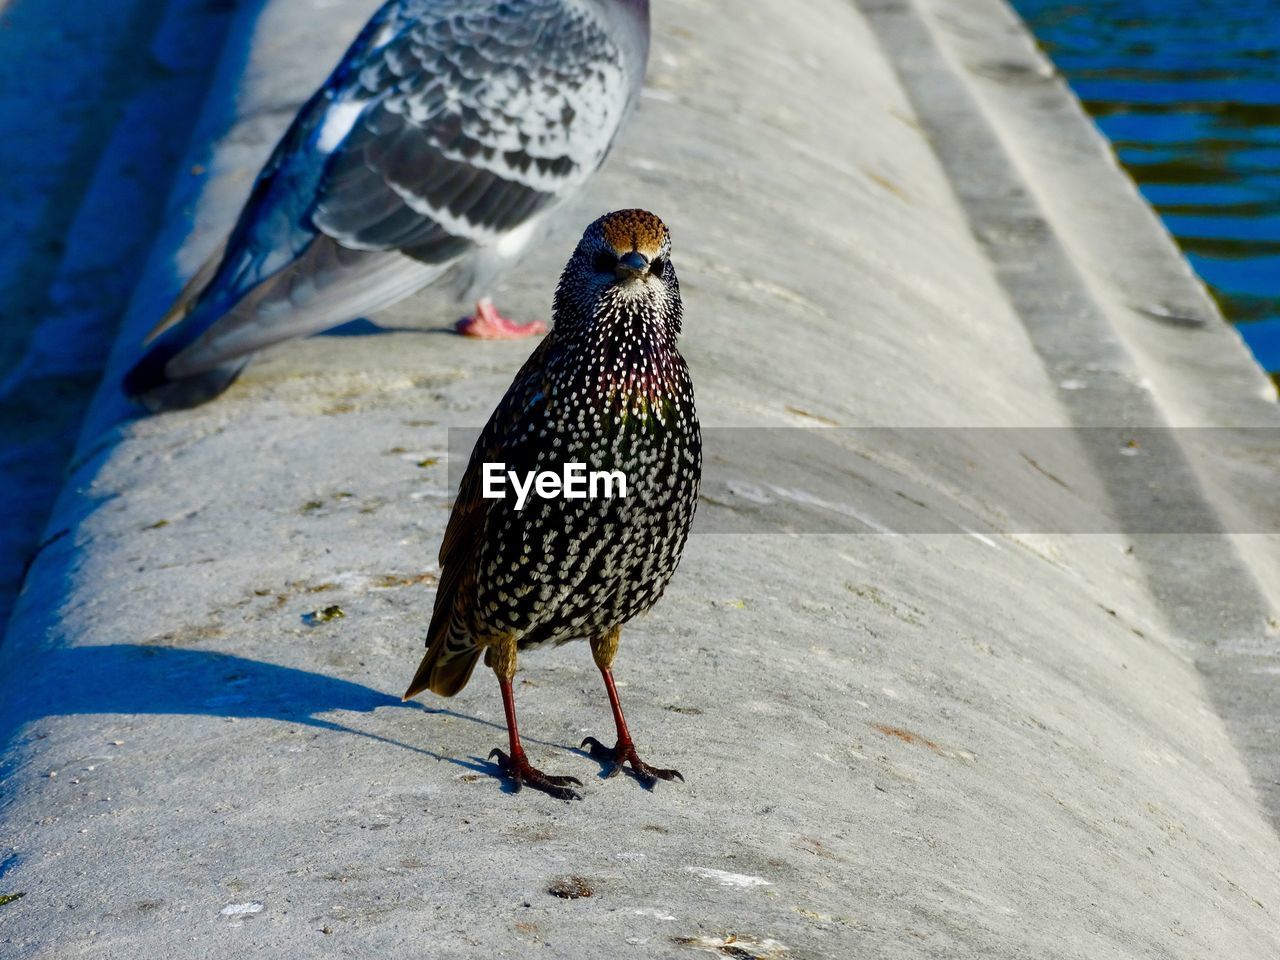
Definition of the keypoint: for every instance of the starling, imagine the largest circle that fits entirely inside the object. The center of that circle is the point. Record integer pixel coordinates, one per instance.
(607, 389)
(432, 155)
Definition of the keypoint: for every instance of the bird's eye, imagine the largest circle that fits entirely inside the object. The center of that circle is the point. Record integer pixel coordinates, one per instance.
(658, 266)
(605, 262)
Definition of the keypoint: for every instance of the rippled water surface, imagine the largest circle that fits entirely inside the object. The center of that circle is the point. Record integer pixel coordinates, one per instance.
(1189, 93)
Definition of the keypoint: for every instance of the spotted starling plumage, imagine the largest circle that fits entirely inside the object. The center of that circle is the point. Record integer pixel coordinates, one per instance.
(431, 156)
(607, 389)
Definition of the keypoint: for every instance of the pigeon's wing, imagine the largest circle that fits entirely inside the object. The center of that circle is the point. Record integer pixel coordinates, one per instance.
(469, 122)
(274, 228)
(272, 247)
(446, 127)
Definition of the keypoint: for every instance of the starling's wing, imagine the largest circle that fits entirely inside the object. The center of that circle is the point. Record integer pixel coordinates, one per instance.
(451, 650)
(501, 441)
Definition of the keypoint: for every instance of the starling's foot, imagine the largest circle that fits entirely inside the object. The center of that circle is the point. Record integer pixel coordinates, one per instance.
(524, 774)
(624, 753)
(488, 324)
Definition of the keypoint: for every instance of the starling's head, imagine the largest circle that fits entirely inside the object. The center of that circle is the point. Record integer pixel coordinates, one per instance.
(621, 269)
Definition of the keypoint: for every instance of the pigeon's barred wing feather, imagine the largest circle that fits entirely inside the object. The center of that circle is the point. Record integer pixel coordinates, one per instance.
(465, 123)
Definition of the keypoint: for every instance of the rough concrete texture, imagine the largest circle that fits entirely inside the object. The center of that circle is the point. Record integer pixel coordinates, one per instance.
(898, 746)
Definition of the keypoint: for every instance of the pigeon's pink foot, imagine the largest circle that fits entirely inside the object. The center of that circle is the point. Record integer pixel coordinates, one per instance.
(488, 324)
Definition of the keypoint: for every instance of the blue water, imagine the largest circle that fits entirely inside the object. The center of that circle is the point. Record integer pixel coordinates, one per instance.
(1188, 91)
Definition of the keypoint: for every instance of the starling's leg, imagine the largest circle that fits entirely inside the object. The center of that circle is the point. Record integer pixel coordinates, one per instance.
(603, 648)
(502, 658)
(488, 324)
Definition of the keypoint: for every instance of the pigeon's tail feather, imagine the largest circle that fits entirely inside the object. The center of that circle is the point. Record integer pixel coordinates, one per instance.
(147, 384)
(191, 295)
(447, 666)
(208, 346)
(152, 380)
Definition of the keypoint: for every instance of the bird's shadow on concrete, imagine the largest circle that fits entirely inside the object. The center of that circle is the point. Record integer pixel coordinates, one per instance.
(365, 327)
(142, 679)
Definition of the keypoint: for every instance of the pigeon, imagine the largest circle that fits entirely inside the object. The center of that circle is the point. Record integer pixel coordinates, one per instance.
(432, 155)
(606, 390)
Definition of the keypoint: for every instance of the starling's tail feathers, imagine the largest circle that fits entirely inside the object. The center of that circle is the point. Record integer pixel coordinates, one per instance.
(203, 343)
(447, 666)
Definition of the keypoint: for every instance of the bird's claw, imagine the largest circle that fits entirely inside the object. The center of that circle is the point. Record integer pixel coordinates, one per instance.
(523, 773)
(617, 757)
(488, 324)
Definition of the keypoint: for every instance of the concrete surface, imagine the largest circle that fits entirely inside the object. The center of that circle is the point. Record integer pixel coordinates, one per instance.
(1000, 744)
(1145, 345)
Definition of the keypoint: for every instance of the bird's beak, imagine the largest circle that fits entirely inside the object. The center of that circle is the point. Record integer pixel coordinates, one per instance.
(631, 265)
